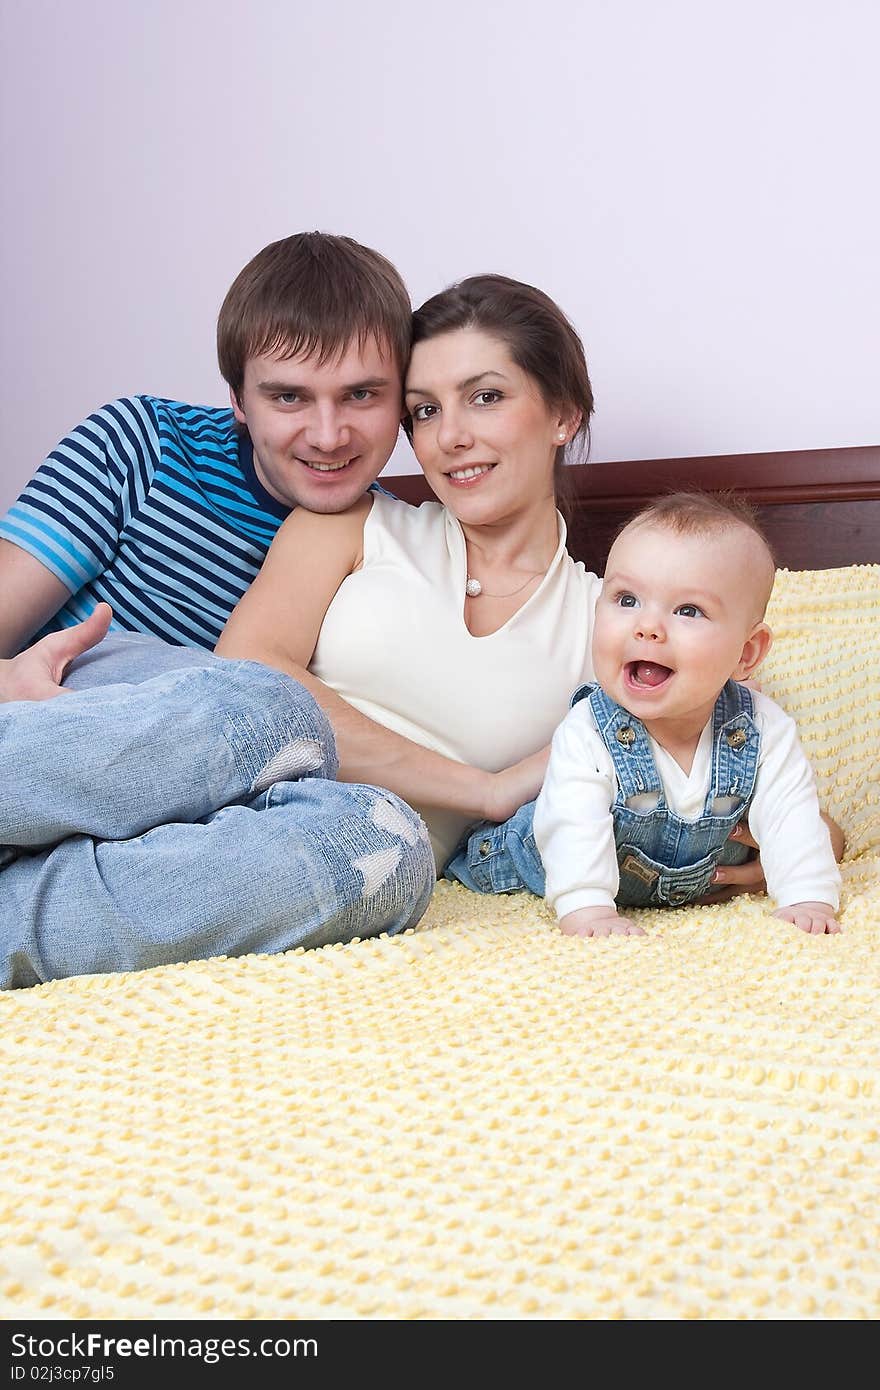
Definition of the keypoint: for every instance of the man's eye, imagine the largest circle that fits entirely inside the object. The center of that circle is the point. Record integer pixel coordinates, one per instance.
(362, 394)
(689, 610)
(287, 397)
(420, 413)
(487, 397)
(627, 601)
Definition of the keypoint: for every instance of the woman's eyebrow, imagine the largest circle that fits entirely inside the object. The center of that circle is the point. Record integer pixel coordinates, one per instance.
(461, 386)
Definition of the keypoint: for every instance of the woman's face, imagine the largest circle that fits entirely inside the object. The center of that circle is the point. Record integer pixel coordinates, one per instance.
(482, 432)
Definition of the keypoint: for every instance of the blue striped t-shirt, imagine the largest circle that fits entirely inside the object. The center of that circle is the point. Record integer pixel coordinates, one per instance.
(154, 507)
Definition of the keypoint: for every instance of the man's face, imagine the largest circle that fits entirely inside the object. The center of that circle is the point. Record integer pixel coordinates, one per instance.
(321, 432)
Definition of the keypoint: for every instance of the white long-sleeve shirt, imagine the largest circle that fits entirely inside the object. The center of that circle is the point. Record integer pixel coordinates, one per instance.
(574, 827)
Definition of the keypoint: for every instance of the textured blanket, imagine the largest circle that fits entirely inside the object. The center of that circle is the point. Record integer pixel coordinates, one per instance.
(482, 1119)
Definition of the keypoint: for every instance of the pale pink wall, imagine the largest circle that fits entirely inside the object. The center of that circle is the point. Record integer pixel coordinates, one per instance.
(695, 183)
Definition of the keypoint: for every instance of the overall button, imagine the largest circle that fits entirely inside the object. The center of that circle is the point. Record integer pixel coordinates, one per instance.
(626, 735)
(736, 738)
(485, 846)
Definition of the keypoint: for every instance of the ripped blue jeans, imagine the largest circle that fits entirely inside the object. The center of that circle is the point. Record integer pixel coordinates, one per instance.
(178, 806)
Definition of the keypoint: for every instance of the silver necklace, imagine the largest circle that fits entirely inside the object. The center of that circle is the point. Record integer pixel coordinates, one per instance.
(473, 588)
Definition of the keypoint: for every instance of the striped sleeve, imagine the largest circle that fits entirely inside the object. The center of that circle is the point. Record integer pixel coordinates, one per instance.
(70, 515)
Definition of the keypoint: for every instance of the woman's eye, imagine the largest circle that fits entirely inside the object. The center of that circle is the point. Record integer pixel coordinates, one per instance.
(420, 413)
(487, 397)
(689, 610)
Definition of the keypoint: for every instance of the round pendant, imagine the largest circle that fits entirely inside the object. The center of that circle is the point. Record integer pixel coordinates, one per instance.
(473, 588)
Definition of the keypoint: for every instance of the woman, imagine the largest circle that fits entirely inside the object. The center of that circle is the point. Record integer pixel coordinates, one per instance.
(461, 626)
(199, 814)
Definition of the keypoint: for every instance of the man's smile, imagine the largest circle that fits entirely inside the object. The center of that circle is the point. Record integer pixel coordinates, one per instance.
(320, 467)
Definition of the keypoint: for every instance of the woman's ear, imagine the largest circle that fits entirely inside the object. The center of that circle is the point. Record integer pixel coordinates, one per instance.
(568, 425)
(755, 648)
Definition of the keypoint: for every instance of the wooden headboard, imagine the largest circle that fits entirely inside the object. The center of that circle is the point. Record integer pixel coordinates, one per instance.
(820, 507)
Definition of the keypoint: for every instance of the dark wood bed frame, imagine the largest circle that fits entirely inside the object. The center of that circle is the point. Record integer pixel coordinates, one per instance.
(820, 507)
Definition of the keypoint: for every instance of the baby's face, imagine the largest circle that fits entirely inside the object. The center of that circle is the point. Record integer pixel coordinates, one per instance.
(675, 618)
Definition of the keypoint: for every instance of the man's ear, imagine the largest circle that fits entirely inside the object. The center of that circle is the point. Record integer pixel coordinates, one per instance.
(754, 651)
(236, 408)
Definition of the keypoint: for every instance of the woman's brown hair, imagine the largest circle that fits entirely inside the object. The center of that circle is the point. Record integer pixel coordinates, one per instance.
(540, 339)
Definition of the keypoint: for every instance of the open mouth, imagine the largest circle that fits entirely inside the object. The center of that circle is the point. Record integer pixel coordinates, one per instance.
(471, 474)
(646, 675)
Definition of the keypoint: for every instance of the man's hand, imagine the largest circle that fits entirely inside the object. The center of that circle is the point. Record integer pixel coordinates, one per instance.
(816, 919)
(37, 672)
(598, 921)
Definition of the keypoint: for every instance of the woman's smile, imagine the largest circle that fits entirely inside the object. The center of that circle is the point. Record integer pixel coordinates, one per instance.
(471, 474)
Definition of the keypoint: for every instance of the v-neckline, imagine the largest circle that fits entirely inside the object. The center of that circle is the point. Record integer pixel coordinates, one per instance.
(459, 566)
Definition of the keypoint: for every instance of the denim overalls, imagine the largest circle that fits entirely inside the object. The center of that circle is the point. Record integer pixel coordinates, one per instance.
(664, 861)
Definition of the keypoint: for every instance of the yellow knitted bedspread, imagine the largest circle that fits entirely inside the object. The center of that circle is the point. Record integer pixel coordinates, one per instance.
(482, 1119)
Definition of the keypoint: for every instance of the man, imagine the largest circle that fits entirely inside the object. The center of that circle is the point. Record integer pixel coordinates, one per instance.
(120, 847)
(165, 511)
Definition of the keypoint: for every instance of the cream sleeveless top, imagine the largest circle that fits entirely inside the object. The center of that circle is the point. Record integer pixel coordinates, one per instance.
(394, 644)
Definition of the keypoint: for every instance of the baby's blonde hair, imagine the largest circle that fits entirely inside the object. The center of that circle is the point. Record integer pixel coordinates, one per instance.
(702, 514)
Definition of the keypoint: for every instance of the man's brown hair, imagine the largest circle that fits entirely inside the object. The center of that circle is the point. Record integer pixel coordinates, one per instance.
(312, 294)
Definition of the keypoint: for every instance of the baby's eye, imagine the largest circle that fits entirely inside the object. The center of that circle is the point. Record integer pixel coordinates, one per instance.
(627, 601)
(420, 413)
(689, 610)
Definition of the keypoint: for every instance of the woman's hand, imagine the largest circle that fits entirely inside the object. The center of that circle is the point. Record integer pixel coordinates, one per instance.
(515, 786)
(838, 839)
(733, 879)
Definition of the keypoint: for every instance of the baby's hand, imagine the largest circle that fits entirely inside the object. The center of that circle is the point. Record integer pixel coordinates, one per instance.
(597, 921)
(815, 918)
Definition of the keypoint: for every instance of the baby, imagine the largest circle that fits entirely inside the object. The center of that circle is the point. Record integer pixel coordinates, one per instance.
(655, 764)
